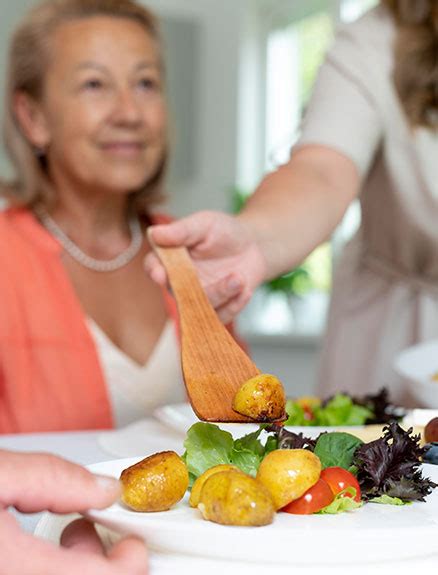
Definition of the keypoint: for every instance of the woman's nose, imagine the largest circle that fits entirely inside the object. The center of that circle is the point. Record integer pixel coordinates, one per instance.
(126, 108)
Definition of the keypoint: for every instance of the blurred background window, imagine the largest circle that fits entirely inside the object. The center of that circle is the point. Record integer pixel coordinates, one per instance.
(294, 46)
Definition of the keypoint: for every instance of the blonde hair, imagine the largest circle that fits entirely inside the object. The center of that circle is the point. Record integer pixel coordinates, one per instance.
(28, 60)
(416, 61)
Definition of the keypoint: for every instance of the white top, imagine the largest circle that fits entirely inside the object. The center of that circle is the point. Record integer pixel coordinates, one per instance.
(385, 294)
(136, 390)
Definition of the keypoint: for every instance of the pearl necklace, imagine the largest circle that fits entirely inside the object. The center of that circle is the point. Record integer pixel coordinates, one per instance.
(91, 263)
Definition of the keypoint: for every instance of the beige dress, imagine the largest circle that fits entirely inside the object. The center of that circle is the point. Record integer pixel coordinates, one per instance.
(385, 293)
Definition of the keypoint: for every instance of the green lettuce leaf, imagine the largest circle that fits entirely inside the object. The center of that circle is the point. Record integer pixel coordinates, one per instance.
(387, 500)
(271, 444)
(246, 460)
(341, 503)
(341, 410)
(296, 415)
(207, 445)
(336, 449)
(250, 442)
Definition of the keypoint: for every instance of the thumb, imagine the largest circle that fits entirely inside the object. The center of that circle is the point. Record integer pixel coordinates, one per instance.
(34, 482)
(187, 231)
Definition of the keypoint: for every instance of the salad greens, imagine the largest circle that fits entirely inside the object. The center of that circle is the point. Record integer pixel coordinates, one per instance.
(387, 469)
(343, 409)
(342, 503)
(390, 466)
(207, 445)
(337, 449)
(385, 499)
(340, 410)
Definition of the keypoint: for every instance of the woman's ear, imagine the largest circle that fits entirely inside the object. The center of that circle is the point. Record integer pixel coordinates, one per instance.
(31, 120)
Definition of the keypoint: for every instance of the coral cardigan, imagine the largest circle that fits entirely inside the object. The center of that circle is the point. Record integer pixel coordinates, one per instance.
(50, 376)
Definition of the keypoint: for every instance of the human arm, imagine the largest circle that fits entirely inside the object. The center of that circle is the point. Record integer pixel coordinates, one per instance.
(37, 482)
(298, 206)
(292, 211)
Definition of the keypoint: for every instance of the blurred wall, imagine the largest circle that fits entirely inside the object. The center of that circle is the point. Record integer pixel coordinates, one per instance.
(10, 13)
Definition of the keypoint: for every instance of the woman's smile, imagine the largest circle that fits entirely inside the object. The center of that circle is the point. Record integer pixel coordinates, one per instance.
(124, 149)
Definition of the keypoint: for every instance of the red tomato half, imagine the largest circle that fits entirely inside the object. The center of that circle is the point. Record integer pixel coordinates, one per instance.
(318, 496)
(339, 479)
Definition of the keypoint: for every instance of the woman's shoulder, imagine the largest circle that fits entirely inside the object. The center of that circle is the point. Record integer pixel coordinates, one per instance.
(21, 234)
(366, 43)
(11, 238)
(9, 214)
(375, 26)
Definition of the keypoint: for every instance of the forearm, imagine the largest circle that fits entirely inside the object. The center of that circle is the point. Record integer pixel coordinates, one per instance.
(297, 207)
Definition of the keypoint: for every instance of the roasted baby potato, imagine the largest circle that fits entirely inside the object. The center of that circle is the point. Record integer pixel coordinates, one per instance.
(199, 483)
(288, 473)
(262, 398)
(155, 483)
(234, 498)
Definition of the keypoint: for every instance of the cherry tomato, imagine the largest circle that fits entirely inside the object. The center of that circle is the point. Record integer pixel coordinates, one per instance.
(318, 496)
(339, 479)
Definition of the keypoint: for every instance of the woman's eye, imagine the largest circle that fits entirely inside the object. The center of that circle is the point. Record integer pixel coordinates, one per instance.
(93, 84)
(148, 84)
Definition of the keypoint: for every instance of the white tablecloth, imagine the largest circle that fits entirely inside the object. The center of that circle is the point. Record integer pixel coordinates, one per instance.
(149, 436)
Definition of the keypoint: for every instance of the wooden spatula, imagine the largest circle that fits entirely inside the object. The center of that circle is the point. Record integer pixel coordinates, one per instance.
(214, 366)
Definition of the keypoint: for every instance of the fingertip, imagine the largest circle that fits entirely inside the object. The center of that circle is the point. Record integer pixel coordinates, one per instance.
(165, 234)
(132, 554)
(110, 489)
(228, 312)
(81, 535)
(158, 275)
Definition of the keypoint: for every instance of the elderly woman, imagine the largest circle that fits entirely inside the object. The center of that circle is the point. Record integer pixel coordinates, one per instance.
(86, 339)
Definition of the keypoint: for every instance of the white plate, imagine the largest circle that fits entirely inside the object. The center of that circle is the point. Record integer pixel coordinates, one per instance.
(51, 526)
(180, 416)
(372, 533)
(417, 364)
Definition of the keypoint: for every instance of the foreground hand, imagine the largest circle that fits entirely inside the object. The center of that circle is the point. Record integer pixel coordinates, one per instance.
(228, 260)
(37, 482)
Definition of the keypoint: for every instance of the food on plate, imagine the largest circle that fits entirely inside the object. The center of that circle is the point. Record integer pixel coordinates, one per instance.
(245, 481)
(431, 431)
(387, 469)
(313, 500)
(233, 498)
(155, 483)
(342, 410)
(341, 481)
(390, 467)
(308, 403)
(434, 376)
(199, 483)
(261, 398)
(288, 473)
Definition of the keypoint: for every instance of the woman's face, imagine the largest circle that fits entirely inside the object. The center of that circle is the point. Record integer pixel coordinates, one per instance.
(102, 116)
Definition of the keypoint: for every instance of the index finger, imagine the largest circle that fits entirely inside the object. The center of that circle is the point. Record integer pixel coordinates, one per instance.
(33, 482)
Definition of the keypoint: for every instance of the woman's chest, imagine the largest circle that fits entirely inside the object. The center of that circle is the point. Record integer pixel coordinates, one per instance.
(126, 305)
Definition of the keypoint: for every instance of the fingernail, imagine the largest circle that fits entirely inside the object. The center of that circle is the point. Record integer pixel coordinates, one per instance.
(107, 483)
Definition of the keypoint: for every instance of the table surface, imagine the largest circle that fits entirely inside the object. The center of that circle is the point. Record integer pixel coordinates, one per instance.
(144, 438)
